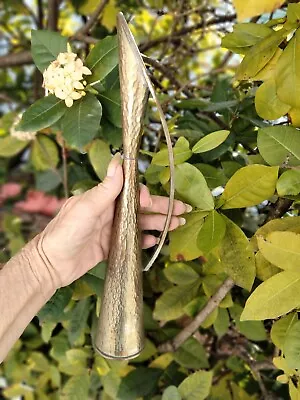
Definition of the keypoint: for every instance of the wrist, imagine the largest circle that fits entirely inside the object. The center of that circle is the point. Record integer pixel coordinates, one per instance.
(40, 266)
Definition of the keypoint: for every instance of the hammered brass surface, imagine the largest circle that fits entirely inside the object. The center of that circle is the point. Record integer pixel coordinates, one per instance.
(120, 333)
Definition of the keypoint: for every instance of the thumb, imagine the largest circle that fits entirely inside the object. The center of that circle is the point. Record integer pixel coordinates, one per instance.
(107, 191)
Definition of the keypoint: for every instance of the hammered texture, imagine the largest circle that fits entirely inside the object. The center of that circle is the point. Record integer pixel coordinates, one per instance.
(120, 333)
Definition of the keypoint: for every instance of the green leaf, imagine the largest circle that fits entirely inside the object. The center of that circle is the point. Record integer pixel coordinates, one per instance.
(250, 186)
(236, 256)
(78, 320)
(196, 386)
(148, 351)
(47, 180)
(171, 303)
(244, 36)
(214, 177)
(260, 54)
(264, 269)
(171, 393)
(278, 295)
(289, 183)
(267, 103)
(281, 328)
(183, 241)
(181, 274)
(281, 249)
(81, 121)
(191, 354)
(252, 330)
(293, 13)
(111, 102)
(222, 322)
(211, 232)
(195, 306)
(45, 47)
(291, 346)
(43, 113)
(100, 156)
(140, 382)
(211, 284)
(181, 152)
(279, 145)
(103, 58)
(74, 361)
(210, 141)
(189, 183)
(111, 133)
(287, 73)
(10, 146)
(53, 310)
(44, 153)
(76, 388)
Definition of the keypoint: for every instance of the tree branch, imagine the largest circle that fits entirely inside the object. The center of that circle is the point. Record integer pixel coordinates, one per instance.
(53, 13)
(16, 59)
(212, 304)
(278, 209)
(152, 43)
(92, 20)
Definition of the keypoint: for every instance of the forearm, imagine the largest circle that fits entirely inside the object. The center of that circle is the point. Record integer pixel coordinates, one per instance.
(27, 282)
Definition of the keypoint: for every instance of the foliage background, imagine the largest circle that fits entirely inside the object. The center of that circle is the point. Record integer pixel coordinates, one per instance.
(225, 358)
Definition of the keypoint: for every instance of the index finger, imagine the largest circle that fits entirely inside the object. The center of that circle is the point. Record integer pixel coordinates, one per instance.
(160, 205)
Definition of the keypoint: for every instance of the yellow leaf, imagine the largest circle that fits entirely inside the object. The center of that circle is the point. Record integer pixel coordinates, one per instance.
(288, 73)
(267, 103)
(110, 15)
(255, 7)
(249, 186)
(162, 361)
(268, 70)
(281, 249)
(294, 114)
(259, 55)
(264, 269)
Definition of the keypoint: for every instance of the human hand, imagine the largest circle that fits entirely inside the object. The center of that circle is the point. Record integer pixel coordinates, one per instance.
(79, 236)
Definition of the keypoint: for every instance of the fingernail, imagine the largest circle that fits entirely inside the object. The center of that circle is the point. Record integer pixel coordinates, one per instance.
(157, 240)
(188, 208)
(114, 162)
(182, 221)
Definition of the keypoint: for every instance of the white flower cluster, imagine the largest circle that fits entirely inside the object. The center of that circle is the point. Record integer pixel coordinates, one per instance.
(20, 134)
(64, 78)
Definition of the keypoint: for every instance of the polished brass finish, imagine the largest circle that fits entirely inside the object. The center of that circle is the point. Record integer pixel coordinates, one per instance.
(120, 333)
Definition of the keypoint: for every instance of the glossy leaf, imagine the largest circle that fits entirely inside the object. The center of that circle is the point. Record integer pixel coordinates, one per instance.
(211, 232)
(267, 103)
(189, 183)
(181, 274)
(191, 354)
(244, 36)
(256, 7)
(44, 153)
(289, 183)
(214, 177)
(81, 121)
(237, 258)
(196, 386)
(210, 141)
(291, 346)
(279, 295)
(171, 303)
(103, 58)
(183, 241)
(259, 55)
(100, 156)
(53, 310)
(10, 146)
(45, 47)
(281, 328)
(43, 113)
(250, 186)
(111, 102)
(264, 269)
(281, 249)
(181, 152)
(287, 73)
(171, 393)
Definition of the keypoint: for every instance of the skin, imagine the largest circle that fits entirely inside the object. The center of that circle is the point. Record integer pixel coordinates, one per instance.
(79, 236)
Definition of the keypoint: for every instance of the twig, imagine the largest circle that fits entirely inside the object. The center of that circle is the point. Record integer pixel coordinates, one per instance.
(148, 45)
(92, 20)
(211, 305)
(15, 59)
(40, 17)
